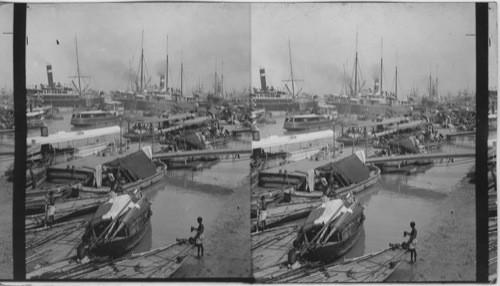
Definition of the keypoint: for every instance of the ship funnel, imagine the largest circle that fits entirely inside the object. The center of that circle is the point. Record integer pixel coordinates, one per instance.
(49, 76)
(376, 86)
(263, 85)
(162, 82)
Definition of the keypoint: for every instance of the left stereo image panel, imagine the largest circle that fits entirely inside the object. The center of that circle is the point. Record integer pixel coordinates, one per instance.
(138, 141)
(6, 140)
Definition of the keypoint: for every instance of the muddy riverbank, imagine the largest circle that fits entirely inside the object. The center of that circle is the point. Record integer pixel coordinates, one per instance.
(227, 243)
(447, 249)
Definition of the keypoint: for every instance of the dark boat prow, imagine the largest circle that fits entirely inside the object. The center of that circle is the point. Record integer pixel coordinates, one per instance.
(117, 226)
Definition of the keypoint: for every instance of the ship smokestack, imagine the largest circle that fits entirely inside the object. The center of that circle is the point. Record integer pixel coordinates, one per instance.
(376, 87)
(49, 76)
(263, 85)
(162, 82)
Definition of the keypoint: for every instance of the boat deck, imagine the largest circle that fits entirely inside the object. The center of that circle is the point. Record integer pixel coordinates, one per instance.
(300, 168)
(89, 162)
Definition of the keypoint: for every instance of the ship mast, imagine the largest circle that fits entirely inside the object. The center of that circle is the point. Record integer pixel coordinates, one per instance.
(292, 79)
(381, 65)
(291, 67)
(78, 69)
(356, 68)
(166, 70)
(142, 60)
(222, 78)
(396, 94)
(215, 78)
(430, 81)
(182, 75)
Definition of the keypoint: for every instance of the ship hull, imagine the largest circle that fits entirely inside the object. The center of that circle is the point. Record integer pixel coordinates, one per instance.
(85, 122)
(70, 101)
(298, 126)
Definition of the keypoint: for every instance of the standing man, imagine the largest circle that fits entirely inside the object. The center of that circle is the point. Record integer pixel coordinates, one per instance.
(50, 209)
(199, 236)
(412, 242)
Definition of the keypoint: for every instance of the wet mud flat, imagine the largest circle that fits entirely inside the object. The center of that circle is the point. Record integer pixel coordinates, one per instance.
(447, 249)
(227, 243)
(220, 195)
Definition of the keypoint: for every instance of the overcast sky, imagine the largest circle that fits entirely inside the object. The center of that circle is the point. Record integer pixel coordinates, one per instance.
(421, 38)
(109, 39)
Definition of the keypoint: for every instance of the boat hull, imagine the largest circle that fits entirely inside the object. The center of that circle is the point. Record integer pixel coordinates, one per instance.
(69, 100)
(299, 126)
(332, 251)
(85, 122)
(277, 104)
(373, 267)
(118, 247)
(158, 263)
(356, 188)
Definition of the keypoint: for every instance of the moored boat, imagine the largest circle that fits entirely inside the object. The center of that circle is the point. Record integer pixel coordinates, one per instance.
(307, 122)
(286, 212)
(93, 118)
(346, 175)
(331, 229)
(51, 244)
(373, 267)
(271, 246)
(35, 214)
(161, 262)
(117, 226)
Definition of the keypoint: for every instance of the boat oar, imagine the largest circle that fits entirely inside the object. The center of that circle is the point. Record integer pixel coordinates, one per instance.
(109, 226)
(320, 233)
(122, 223)
(335, 227)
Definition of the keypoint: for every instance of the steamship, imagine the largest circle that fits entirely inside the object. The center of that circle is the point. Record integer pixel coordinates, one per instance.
(62, 96)
(271, 99)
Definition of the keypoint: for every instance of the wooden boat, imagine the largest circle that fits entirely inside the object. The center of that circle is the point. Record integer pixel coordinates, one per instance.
(142, 129)
(48, 245)
(161, 262)
(35, 217)
(270, 180)
(286, 212)
(117, 226)
(271, 246)
(349, 183)
(307, 122)
(136, 170)
(35, 118)
(94, 118)
(373, 267)
(331, 229)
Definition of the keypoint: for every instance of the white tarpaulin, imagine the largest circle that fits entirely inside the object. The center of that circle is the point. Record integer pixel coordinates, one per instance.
(147, 150)
(98, 175)
(361, 155)
(330, 208)
(310, 179)
(120, 203)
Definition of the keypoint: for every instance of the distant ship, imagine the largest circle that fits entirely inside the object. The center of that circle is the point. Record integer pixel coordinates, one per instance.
(141, 95)
(307, 122)
(271, 99)
(63, 96)
(276, 100)
(357, 99)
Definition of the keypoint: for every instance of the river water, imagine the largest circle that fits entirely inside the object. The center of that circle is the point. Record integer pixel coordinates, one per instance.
(397, 199)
